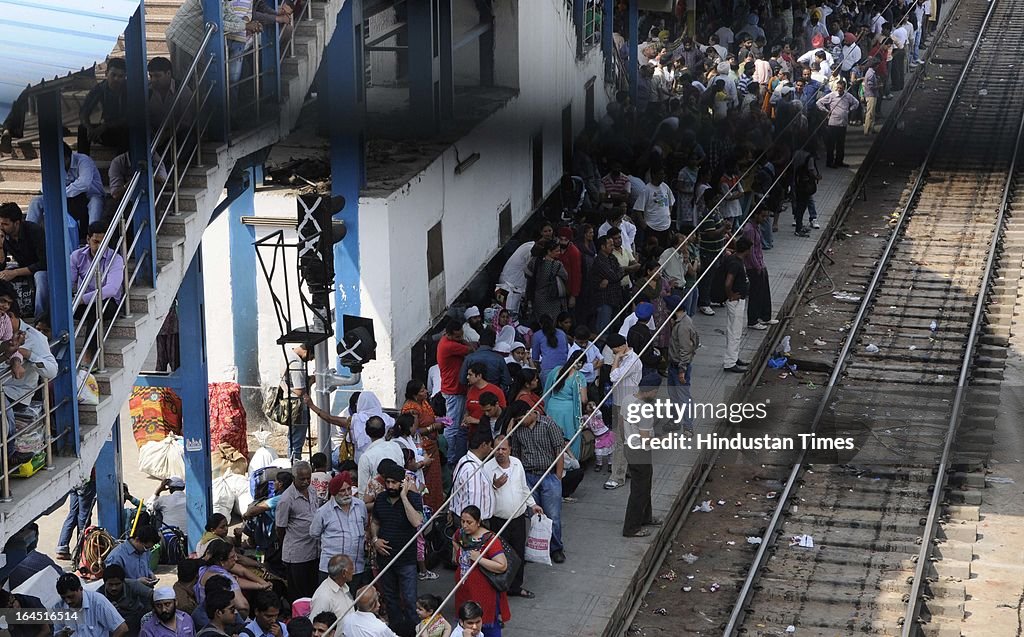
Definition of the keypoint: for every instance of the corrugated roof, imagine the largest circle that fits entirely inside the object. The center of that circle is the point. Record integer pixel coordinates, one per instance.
(46, 39)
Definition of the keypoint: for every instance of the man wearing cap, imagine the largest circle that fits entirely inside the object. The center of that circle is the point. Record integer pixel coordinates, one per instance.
(166, 620)
(340, 526)
(638, 429)
(473, 326)
(682, 346)
(851, 55)
(173, 507)
(643, 312)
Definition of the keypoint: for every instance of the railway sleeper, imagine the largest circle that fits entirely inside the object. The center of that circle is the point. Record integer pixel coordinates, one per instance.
(845, 617)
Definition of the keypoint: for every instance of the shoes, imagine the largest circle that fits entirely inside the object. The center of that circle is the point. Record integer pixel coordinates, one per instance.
(815, 224)
(640, 533)
(597, 468)
(706, 311)
(569, 499)
(654, 522)
(736, 369)
(802, 233)
(557, 557)
(63, 555)
(771, 322)
(794, 224)
(757, 326)
(742, 363)
(428, 575)
(612, 484)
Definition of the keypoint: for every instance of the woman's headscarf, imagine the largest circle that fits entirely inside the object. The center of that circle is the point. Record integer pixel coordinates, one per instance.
(367, 407)
(506, 338)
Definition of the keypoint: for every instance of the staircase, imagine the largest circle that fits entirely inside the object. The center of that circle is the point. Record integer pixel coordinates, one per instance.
(178, 240)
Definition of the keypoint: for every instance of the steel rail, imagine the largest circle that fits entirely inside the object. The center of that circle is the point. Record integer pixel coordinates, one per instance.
(774, 525)
(935, 508)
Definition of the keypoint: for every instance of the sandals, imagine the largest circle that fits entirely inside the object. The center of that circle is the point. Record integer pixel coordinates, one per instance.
(654, 522)
(612, 484)
(640, 533)
(428, 575)
(525, 594)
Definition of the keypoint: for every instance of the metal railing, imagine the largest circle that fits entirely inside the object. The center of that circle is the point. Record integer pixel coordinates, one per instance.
(129, 245)
(593, 17)
(38, 426)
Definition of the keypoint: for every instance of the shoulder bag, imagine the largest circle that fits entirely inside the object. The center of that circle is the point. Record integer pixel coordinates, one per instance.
(502, 581)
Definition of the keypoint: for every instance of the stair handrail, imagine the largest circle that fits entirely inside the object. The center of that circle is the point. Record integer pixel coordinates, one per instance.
(162, 129)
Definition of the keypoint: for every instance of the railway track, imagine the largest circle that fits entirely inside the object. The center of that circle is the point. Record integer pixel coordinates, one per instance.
(894, 524)
(913, 385)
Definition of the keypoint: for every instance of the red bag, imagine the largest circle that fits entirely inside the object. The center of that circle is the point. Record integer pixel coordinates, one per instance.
(228, 421)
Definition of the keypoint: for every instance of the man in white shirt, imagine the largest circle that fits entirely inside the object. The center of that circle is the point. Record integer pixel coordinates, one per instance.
(473, 326)
(658, 207)
(376, 451)
(825, 60)
(513, 276)
(898, 63)
(622, 222)
(644, 312)
(511, 499)
(332, 595)
(364, 622)
(470, 483)
(173, 507)
(625, 376)
(581, 341)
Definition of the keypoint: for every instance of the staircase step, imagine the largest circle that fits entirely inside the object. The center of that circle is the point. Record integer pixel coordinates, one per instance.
(20, 192)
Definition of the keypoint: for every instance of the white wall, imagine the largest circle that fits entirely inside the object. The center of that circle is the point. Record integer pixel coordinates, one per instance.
(393, 229)
(468, 204)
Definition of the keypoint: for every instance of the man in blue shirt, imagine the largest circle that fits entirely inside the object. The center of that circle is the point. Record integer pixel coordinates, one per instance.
(266, 609)
(83, 187)
(133, 555)
(496, 370)
(97, 617)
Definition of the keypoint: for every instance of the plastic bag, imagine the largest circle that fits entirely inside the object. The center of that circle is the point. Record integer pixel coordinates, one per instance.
(88, 389)
(223, 497)
(265, 455)
(163, 458)
(538, 543)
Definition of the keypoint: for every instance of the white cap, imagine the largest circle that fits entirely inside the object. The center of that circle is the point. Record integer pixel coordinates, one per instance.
(836, 39)
(471, 311)
(164, 594)
(175, 482)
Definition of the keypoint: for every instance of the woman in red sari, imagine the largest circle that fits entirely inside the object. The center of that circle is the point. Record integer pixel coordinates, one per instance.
(417, 403)
(470, 542)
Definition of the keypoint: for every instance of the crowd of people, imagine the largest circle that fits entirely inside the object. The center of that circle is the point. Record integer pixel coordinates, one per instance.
(669, 211)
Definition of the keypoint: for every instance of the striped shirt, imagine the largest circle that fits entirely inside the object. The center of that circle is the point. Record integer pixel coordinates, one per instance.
(188, 27)
(616, 187)
(470, 485)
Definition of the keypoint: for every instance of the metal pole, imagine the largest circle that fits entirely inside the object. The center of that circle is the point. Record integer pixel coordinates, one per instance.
(5, 493)
(322, 394)
(98, 301)
(197, 114)
(124, 256)
(256, 71)
(174, 175)
(46, 427)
